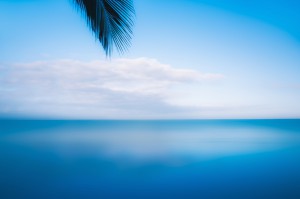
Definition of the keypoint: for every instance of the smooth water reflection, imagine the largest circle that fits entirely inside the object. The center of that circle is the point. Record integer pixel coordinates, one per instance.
(145, 145)
(150, 159)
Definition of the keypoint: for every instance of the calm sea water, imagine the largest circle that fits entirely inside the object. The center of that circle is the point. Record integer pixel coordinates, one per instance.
(207, 159)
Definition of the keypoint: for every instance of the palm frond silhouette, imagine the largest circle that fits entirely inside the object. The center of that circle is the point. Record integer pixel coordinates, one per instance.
(111, 22)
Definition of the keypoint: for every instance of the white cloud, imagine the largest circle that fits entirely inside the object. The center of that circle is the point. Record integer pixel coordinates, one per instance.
(118, 88)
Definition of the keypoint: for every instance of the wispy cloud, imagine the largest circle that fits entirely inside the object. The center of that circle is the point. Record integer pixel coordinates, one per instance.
(93, 89)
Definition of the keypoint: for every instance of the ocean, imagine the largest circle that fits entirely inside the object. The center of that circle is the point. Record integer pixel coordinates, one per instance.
(203, 159)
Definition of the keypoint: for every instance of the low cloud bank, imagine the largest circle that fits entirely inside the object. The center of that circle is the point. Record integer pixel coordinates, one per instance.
(125, 88)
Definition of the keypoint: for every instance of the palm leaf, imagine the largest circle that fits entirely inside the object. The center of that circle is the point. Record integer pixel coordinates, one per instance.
(110, 20)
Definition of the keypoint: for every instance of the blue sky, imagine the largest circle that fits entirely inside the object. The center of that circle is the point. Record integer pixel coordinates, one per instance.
(188, 59)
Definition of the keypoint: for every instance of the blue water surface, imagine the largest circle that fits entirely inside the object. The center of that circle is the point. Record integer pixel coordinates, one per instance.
(207, 159)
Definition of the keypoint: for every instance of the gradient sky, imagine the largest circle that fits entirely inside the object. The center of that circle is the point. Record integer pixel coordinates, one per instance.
(188, 59)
